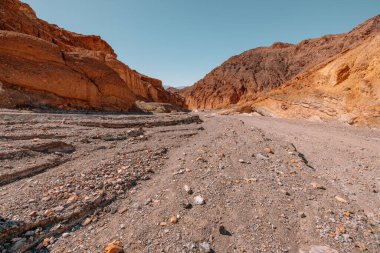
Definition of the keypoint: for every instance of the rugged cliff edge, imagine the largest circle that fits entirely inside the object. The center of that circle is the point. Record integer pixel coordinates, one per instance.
(248, 78)
(44, 65)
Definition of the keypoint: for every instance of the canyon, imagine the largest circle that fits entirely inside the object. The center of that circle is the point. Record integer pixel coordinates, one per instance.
(323, 79)
(44, 66)
(96, 157)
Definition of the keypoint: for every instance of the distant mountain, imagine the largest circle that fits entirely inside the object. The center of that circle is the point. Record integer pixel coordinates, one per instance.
(177, 87)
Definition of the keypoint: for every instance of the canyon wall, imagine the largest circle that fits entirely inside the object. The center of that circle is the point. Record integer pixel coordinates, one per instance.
(346, 88)
(332, 77)
(42, 65)
(262, 69)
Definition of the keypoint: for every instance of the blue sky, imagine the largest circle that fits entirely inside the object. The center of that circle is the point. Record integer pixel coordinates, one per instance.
(180, 41)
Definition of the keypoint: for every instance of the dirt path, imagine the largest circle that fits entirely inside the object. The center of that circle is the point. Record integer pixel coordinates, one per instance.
(265, 202)
(346, 156)
(268, 186)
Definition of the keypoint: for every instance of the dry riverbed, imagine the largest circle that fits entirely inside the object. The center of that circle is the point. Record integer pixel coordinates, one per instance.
(186, 183)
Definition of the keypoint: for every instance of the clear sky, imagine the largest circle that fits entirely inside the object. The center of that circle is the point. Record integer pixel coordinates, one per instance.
(180, 41)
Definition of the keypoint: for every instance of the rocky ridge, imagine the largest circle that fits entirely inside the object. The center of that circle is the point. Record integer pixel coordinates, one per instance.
(346, 88)
(43, 65)
(251, 75)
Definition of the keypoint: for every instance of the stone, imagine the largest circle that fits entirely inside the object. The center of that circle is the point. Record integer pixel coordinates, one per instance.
(87, 221)
(224, 231)
(72, 199)
(186, 204)
(46, 242)
(65, 235)
(148, 201)
(188, 189)
(114, 247)
(122, 209)
(58, 208)
(198, 200)
(205, 247)
(340, 199)
(173, 219)
(137, 206)
(241, 161)
(268, 150)
(47, 198)
(315, 185)
(29, 233)
(317, 249)
(285, 192)
(33, 214)
(302, 214)
(262, 157)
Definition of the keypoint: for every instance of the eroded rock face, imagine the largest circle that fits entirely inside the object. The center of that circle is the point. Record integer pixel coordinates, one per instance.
(248, 75)
(44, 65)
(346, 88)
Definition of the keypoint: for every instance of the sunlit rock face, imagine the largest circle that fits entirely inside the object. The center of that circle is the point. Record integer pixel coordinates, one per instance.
(44, 65)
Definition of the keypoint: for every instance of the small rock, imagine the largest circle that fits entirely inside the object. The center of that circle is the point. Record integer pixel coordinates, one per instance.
(122, 209)
(241, 161)
(224, 231)
(33, 214)
(205, 247)
(58, 208)
(191, 246)
(188, 189)
(72, 199)
(262, 157)
(122, 226)
(179, 172)
(86, 221)
(302, 214)
(173, 219)
(65, 235)
(136, 206)
(49, 212)
(198, 200)
(317, 249)
(114, 247)
(163, 223)
(315, 185)
(29, 233)
(285, 192)
(340, 199)
(46, 242)
(268, 150)
(47, 198)
(185, 204)
(148, 201)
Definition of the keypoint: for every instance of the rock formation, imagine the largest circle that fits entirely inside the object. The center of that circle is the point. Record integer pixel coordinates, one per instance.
(257, 71)
(44, 65)
(346, 88)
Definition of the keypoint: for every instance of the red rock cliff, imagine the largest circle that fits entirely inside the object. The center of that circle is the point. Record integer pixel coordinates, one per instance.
(244, 77)
(44, 65)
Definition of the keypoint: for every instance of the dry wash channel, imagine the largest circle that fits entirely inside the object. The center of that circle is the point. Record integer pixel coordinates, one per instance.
(59, 172)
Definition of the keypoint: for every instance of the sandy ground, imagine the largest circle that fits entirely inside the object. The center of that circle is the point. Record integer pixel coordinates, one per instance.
(257, 184)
